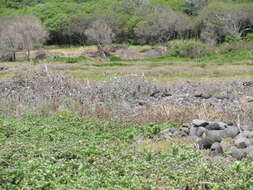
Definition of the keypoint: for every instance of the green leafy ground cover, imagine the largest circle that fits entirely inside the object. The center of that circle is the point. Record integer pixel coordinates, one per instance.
(68, 152)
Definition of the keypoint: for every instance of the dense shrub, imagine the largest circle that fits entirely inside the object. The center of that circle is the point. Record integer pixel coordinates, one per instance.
(188, 48)
(234, 48)
(220, 21)
(249, 37)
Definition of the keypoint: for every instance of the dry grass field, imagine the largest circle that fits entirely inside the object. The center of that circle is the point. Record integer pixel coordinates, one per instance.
(160, 69)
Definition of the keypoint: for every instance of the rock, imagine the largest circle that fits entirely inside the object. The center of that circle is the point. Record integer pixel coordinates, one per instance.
(231, 132)
(226, 146)
(166, 94)
(247, 128)
(193, 138)
(155, 94)
(242, 143)
(216, 135)
(201, 131)
(3, 68)
(216, 126)
(245, 134)
(222, 97)
(238, 153)
(167, 133)
(203, 96)
(206, 143)
(187, 125)
(181, 133)
(229, 123)
(185, 130)
(216, 148)
(249, 151)
(199, 123)
(193, 131)
(206, 96)
(41, 56)
(250, 125)
(247, 83)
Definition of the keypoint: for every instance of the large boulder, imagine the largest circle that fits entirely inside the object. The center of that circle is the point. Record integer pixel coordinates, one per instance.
(242, 142)
(231, 132)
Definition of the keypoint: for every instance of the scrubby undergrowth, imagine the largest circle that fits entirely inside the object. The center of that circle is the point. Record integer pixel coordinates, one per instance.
(129, 98)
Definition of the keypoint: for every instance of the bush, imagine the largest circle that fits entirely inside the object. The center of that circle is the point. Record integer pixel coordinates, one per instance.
(249, 37)
(115, 58)
(234, 48)
(188, 48)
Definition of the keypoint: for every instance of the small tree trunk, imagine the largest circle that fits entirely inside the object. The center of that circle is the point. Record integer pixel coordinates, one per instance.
(28, 54)
(13, 57)
(101, 50)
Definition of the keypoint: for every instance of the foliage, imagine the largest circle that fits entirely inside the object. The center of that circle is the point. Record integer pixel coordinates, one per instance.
(188, 48)
(139, 21)
(67, 152)
(219, 20)
(68, 59)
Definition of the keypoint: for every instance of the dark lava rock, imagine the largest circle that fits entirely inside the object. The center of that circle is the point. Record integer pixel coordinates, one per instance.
(247, 83)
(199, 123)
(216, 126)
(203, 96)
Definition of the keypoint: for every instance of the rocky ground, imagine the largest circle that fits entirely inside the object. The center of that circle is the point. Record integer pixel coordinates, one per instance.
(128, 97)
(215, 136)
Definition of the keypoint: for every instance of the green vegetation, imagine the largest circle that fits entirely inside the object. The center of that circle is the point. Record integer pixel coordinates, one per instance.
(68, 59)
(67, 152)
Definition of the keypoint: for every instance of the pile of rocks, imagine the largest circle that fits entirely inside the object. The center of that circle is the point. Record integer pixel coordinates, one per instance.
(222, 137)
(217, 137)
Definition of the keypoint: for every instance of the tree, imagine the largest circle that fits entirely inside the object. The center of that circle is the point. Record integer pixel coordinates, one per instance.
(77, 29)
(218, 21)
(161, 25)
(101, 34)
(22, 32)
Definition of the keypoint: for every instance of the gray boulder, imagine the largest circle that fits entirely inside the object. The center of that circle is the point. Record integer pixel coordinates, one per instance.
(216, 135)
(206, 143)
(201, 131)
(231, 132)
(242, 142)
(216, 148)
(246, 128)
(238, 153)
(193, 131)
